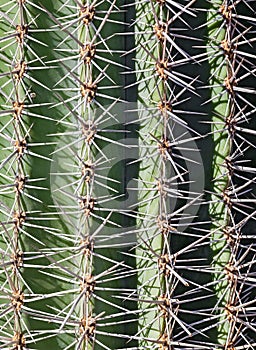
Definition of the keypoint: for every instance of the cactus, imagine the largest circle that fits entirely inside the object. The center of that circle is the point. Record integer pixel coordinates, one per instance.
(127, 174)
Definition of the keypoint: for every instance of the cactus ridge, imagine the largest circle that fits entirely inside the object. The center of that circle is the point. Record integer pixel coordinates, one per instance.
(231, 107)
(17, 216)
(164, 87)
(86, 94)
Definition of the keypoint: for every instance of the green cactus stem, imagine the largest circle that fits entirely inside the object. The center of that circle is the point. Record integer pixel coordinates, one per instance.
(160, 85)
(127, 174)
(224, 37)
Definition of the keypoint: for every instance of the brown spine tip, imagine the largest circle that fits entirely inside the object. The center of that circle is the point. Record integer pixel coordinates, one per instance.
(87, 327)
(87, 14)
(87, 53)
(19, 341)
(19, 70)
(17, 300)
(161, 68)
(88, 91)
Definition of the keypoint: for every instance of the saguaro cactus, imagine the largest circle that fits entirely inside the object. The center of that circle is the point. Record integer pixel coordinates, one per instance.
(127, 174)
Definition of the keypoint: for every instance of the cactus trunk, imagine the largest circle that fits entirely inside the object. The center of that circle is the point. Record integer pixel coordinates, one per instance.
(127, 174)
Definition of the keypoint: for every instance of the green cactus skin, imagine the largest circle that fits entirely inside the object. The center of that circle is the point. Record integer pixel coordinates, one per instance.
(79, 270)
